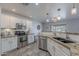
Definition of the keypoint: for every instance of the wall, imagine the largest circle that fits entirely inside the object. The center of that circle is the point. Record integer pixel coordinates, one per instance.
(71, 25)
(34, 27)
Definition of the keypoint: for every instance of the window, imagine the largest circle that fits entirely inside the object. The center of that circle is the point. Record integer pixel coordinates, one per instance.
(58, 28)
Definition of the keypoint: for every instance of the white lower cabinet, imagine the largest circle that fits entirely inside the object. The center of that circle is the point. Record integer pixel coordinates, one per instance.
(50, 47)
(9, 44)
(56, 49)
(51, 50)
(0, 45)
(5, 45)
(59, 52)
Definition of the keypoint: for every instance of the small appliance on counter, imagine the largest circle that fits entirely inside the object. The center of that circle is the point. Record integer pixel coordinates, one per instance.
(7, 32)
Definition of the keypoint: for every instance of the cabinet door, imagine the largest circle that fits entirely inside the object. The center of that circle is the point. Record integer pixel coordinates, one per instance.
(61, 51)
(57, 49)
(14, 43)
(50, 47)
(4, 21)
(0, 46)
(9, 44)
(5, 45)
(12, 22)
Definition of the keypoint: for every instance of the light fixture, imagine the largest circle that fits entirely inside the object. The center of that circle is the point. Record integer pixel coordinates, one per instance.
(47, 20)
(13, 10)
(54, 19)
(36, 4)
(30, 16)
(74, 10)
(58, 17)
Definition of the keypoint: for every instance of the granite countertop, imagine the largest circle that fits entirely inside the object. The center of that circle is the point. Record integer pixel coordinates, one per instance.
(8, 36)
(74, 47)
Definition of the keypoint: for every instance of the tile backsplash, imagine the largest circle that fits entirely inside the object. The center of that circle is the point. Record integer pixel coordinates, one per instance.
(7, 32)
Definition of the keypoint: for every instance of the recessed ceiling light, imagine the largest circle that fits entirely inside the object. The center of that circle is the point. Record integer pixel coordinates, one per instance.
(13, 10)
(36, 4)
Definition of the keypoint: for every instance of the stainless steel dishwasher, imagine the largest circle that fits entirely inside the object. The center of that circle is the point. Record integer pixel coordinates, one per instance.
(43, 43)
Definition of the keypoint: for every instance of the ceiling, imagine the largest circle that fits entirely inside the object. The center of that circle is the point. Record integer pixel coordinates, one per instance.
(38, 12)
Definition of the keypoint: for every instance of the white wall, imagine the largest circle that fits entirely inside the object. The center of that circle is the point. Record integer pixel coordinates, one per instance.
(34, 27)
(73, 25)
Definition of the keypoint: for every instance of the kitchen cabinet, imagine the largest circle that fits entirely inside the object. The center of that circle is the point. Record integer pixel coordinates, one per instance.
(13, 43)
(7, 21)
(5, 45)
(4, 21)
(9, 44)
(51, 47)
(60, 52)
(12, 22)
(57, 49)
(0, 45)
(30, 38)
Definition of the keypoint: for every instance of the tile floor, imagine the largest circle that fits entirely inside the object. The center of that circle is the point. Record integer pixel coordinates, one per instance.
(31, 50)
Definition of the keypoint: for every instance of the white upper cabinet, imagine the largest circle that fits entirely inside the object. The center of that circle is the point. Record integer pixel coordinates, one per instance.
(29, 25)
(4, 21)
(12, 22)
(7, 21)
(18, 20)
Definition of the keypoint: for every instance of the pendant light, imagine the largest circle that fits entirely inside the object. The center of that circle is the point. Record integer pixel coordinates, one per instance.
(55, 19)
(59, 17)
(47, 20)
(74, 10)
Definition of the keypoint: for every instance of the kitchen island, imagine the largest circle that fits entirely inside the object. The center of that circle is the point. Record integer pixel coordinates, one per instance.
(58, 48)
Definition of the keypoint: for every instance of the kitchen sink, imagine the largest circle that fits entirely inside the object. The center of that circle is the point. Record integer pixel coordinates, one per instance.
(59, 38)
(67, 41)
(63, 40)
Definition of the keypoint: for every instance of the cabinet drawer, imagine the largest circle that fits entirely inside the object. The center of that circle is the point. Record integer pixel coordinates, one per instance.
(59, 52)
(51, 50)
(64, 49)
